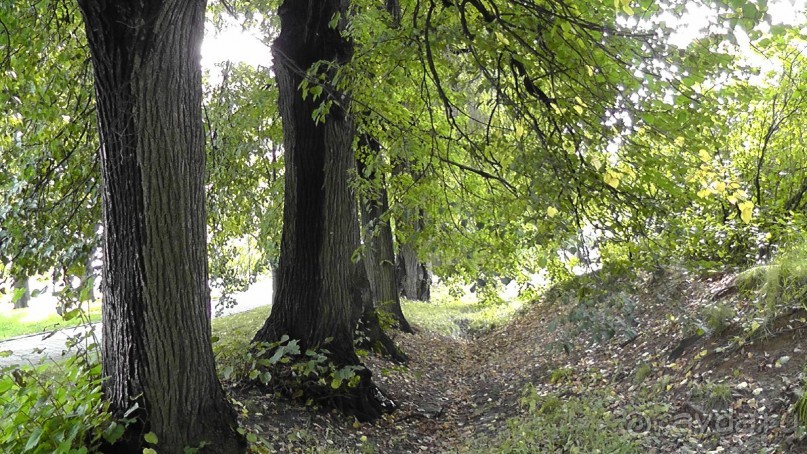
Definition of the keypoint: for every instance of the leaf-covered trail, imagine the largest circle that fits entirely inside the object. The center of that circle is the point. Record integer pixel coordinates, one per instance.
(456, 395)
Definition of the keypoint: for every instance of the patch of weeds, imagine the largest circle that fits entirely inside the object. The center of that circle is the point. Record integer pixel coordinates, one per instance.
(551, 424)
(642, 372)
(717, 318)
(713, 396)
(663, 384)
(781, 283)
(560, 375)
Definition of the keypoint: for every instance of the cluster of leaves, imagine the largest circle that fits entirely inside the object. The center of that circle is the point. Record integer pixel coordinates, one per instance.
(54, 409)
(283, 366)
(48, 180)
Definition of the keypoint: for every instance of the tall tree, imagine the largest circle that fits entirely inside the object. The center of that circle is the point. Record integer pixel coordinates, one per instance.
(378, 247)
(319, 288)
(157, 354)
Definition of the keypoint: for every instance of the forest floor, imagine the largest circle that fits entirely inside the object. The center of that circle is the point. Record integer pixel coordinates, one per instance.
(658, 363)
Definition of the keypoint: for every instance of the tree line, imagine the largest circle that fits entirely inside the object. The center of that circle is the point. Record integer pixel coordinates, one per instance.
(479, 136)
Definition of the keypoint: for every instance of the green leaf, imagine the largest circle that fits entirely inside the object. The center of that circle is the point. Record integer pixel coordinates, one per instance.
(113, 432)
(151, 438)
(33, 440)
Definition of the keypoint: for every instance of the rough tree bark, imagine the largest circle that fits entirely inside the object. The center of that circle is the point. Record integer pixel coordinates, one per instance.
(415, 281)
(318, 287)
(379, 249)
(157, 351)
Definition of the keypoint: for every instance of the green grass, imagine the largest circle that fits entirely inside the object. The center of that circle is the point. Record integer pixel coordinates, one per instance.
(20, 322)
(456, 317)
(232, 334)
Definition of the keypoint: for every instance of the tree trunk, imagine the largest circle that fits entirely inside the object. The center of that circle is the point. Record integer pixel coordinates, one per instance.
(157, 354)
(21, 283)
(318, 287)
(379, 253)
(415, 281)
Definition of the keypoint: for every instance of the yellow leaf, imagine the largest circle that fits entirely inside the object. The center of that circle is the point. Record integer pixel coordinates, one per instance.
(519, 131)
(740, 194)
(551, 212)
(578, 109)
(680, 141)
(502, 39)
(704, 155)
(720, 187)
(596, 162)
(611, 178)
(704, 193)
(746, 210)
(627, 9)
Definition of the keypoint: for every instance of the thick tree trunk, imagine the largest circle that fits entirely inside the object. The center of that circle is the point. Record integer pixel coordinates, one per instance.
(157, 354)
(21, 283)
(318, 287)
(379, 254)
(415, 281)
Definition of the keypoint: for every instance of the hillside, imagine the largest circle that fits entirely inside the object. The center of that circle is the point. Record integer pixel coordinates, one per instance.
(676, 369)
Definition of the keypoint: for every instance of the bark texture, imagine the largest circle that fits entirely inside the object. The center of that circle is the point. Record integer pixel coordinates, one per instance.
(415, 281)
(157, 352)
(379, 250)
(319, 286)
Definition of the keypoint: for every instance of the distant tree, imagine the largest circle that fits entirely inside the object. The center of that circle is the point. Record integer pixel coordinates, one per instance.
(157, 354)
(378, 247)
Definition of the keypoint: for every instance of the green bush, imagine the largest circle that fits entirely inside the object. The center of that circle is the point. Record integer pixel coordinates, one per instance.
(54, 409)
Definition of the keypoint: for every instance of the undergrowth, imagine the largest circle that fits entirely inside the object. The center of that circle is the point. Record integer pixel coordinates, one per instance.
(782, 284)
(551, 423)
(54, 408)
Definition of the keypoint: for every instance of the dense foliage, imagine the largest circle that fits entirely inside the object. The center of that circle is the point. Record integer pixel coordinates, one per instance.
(516, 140)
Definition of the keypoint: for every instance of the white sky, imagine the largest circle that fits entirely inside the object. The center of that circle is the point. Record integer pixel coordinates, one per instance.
(233, 44)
